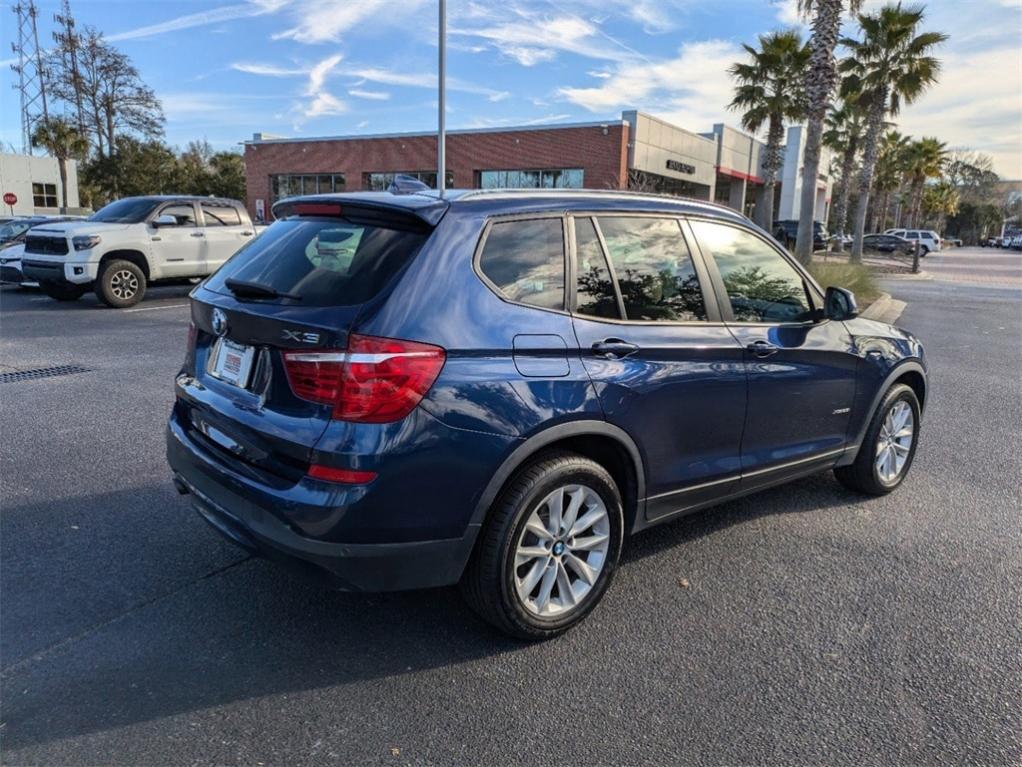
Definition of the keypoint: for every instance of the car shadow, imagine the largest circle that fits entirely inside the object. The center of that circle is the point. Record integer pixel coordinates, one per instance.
(249, 629)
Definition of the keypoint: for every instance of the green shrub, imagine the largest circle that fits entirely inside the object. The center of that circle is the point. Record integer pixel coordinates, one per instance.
(854, 277)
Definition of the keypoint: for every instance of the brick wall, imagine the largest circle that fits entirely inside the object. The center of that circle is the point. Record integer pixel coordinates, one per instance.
(604, 158)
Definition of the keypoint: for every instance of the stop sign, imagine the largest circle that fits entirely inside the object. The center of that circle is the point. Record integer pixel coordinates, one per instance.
(10, 198)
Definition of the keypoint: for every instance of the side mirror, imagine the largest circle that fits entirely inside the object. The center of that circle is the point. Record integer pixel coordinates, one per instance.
(839, 304)
(165, 220)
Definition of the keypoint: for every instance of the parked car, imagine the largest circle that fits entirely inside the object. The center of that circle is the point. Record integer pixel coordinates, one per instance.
(12, 247)
(786, 233)
(929, 240)
(134, 242)
(501, 386)
(887, 243)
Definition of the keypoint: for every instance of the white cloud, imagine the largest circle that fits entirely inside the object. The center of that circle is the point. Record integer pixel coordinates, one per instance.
(599, 75)
(692, 89)
(202, 18)
(423, 80)
(268, 70)
(371, 95)
(500, 122)
(529, 37)
(322, 21)
(320, 101)
(976, 105)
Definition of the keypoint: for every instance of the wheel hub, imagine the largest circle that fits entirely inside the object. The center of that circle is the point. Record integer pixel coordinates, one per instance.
(558, 548)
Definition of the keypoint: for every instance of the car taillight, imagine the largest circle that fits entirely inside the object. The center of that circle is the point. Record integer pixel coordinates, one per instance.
(341, 476)
(375, 380)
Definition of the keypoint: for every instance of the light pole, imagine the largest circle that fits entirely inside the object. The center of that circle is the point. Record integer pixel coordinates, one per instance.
(441, 159)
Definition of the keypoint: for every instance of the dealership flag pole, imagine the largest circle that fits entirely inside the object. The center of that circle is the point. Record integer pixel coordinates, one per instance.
(441, 160)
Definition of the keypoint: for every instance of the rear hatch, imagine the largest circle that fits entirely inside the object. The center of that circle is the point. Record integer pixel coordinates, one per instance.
(297, 288)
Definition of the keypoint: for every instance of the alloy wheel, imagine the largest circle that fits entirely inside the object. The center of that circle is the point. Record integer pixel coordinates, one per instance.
(561, 551)
(124, 284)
(894, 443)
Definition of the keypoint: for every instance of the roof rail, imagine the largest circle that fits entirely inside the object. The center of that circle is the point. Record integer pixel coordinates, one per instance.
(477, 193)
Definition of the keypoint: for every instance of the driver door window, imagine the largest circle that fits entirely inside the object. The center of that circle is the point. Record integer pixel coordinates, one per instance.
(760, 283)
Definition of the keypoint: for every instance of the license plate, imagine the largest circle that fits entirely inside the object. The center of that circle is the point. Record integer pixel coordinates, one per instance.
(232, 362)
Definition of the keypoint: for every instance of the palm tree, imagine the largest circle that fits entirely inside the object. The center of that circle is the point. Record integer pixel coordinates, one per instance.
(941, 200)
(889, 66)
(843, 134)
(926, 159)
(890, 169)
(821, 78)
(769, 92)
(62, 140)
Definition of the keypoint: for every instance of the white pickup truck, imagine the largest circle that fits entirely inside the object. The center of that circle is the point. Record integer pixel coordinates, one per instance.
(134, 242)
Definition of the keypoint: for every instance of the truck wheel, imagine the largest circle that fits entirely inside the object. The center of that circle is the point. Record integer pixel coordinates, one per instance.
(120, 284)
(60, 291)
(548, 549)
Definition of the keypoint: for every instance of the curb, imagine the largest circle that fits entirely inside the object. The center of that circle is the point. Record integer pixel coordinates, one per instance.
(884, 309)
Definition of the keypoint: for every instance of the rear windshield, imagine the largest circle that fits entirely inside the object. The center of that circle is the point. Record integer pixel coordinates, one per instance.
(321, 262)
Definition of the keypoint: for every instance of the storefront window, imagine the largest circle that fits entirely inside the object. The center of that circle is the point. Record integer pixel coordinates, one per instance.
(555, 178)
(380, 181)
(289, 185)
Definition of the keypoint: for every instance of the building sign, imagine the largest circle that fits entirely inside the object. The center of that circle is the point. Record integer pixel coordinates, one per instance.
(681, 167)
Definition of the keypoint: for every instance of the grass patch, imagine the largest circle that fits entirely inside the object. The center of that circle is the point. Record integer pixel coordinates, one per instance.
(854, 277)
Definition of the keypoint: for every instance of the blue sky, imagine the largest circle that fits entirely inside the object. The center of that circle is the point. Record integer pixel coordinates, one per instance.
(328, 67)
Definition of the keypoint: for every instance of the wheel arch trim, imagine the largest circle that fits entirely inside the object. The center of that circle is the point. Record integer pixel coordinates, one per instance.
(533, 444)
(908, 366)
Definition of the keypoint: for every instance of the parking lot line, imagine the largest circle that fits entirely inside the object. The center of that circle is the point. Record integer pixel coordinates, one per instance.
(154, 308)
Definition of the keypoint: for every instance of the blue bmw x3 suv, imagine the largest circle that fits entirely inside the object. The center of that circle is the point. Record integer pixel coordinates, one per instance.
(400, 390)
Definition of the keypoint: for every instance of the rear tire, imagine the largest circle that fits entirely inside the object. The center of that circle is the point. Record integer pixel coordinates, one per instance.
(120, 284)
(60, 291)
(517, 547)
(884, 458)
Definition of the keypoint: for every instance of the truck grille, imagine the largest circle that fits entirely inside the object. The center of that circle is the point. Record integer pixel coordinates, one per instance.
(46, 246)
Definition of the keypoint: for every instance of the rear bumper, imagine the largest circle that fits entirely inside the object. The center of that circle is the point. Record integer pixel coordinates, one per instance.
(218, 497)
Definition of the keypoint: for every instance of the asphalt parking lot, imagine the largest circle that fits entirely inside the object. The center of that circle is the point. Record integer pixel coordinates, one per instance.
(802, 625)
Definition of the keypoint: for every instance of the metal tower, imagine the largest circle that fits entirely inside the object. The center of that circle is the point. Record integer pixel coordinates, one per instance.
(67, 40)
(31, 84)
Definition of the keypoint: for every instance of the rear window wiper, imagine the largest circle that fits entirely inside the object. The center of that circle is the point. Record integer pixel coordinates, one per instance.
(241, 288)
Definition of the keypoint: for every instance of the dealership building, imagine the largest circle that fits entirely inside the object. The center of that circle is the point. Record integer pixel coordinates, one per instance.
(35, 181)
(638, 151)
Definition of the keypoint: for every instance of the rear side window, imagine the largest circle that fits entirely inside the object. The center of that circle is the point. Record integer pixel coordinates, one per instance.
(322, 262)
(525, 261)
(220, 215)
(653, 268)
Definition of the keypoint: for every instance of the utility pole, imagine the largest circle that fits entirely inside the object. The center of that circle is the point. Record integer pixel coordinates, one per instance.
(441, 152)
(67, 43)
(31, 83)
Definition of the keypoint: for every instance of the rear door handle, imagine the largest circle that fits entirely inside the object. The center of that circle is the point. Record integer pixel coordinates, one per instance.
(613, 348)
(761, 348)
(197, 234)
(246, 234)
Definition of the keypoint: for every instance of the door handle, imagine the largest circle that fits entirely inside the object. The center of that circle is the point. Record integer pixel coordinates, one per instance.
(613, 348)
(198, 234)
(246, 234)
(761, 348)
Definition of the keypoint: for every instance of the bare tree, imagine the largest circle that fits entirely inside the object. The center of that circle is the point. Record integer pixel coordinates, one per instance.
(113, 98)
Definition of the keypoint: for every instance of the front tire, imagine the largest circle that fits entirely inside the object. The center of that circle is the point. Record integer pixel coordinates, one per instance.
(120, 284)
(888, 447)
(60, 291)
(549, 548)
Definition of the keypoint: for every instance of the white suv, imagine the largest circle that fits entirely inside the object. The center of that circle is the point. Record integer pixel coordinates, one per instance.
(929, 240)
(133, 242)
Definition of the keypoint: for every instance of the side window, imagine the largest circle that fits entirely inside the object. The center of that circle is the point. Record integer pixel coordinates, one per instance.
(183, 213)
(762, 285)
(219, 215)
(525, 261)
(594, 289)
(653, 268)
